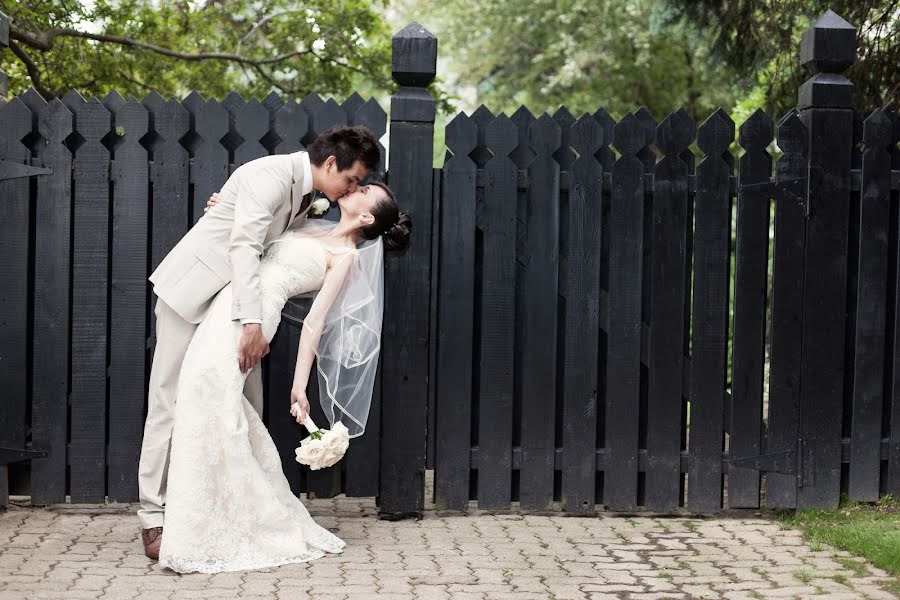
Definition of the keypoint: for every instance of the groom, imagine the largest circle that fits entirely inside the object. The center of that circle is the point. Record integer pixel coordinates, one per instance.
(259, 202)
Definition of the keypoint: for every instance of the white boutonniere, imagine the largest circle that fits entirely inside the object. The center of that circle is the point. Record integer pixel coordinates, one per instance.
(319, 207)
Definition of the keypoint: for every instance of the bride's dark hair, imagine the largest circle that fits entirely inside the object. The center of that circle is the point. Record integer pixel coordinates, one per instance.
(390, 223)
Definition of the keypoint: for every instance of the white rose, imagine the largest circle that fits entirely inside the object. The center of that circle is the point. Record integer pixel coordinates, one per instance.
(332, 442)
(311, 452)
(319, 206)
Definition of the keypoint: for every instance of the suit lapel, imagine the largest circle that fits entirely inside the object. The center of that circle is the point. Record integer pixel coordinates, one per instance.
(296, 198)
(297, 185)
(295, 221)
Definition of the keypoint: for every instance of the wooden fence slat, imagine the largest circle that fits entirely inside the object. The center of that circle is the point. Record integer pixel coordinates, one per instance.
(456, 278)
(497, 316)
(482, 117)
(539, 318)
(209, 164)
(626, 276)
(169, 174)
(712, 245)
(361, 462)
(787, 306)
(892, 403)
(50, 371)
(371, 115)
(751, 258)
(129, 305)
(322, 115)
(868, 376)
(252, 124)
(291, 124)
(351, 105)
(15, 296)
(581, 303)
(90, 286)
(323, 483)
(607, 158)
(285, 432)
(363, 454)
(521, 156)
(647, 156)
(666, 354)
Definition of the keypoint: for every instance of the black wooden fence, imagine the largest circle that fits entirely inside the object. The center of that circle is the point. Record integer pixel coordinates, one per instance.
(586, 314)
(592, 274)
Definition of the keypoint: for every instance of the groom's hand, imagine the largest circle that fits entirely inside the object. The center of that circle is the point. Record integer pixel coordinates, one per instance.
(252, 347)
(213, 200)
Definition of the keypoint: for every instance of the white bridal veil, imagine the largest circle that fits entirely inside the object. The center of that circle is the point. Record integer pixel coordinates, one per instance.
(347, 350)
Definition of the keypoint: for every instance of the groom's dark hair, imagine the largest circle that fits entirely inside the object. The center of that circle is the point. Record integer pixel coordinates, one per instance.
(347, 144)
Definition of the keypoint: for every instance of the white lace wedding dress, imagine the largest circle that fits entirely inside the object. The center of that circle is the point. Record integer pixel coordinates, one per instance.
(228, 504)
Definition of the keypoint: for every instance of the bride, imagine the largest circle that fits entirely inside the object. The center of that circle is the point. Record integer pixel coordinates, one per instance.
(229, 506)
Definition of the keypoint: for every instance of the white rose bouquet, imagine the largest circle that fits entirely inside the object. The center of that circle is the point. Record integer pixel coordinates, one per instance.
(323, 448)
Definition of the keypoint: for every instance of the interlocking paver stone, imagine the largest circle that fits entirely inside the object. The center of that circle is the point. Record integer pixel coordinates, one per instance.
(78, 551)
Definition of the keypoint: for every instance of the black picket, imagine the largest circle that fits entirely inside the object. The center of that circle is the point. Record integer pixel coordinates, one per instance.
(50, 367)
(580, 301)
(456, 277)
(752, 252)
(874, 200)
(497, 224)
(666, 353)
(539, 318)
(128, 308)
(787, 306)
(712, 244)
(209, 158)
(15, 295)
(90, 286)
(892, 399)
(626, 276)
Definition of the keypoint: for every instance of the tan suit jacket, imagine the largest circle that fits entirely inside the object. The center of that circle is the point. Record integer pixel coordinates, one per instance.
(256, 206)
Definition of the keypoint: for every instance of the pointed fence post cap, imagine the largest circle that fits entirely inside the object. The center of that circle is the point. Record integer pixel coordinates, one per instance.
(828, 45)
(414, 56)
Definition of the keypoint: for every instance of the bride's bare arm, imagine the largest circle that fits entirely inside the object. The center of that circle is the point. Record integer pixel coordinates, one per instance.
(312, 329)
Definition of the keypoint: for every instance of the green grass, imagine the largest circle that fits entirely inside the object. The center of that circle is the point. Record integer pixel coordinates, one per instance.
(868, 530)
(804, 576)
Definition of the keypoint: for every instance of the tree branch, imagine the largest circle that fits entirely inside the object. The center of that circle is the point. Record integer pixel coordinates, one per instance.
(44, 41)
(262, 72)
(33, 72)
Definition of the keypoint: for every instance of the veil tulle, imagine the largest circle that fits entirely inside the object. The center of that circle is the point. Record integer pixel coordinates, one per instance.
(347, 352)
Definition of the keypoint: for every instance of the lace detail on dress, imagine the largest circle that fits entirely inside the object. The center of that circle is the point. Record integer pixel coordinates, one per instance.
(229, 506)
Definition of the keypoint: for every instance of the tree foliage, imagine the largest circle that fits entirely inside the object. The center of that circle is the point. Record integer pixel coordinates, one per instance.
(213, 46)
(581, 53)
(760, 39)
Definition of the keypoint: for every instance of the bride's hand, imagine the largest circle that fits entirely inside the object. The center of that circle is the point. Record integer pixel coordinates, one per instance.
(302, 409)
(213, 200)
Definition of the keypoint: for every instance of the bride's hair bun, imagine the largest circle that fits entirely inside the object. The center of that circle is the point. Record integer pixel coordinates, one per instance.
(392, 225)
(397, 237)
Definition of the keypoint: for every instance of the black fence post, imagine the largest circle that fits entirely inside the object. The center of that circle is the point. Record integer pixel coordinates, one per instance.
(825, 102)
(405, 340)
(4, 43)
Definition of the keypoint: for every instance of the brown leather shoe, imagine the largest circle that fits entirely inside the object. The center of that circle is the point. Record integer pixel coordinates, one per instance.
(152, 539)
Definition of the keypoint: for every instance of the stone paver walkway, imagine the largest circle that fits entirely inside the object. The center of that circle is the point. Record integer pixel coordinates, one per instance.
(94, 552)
